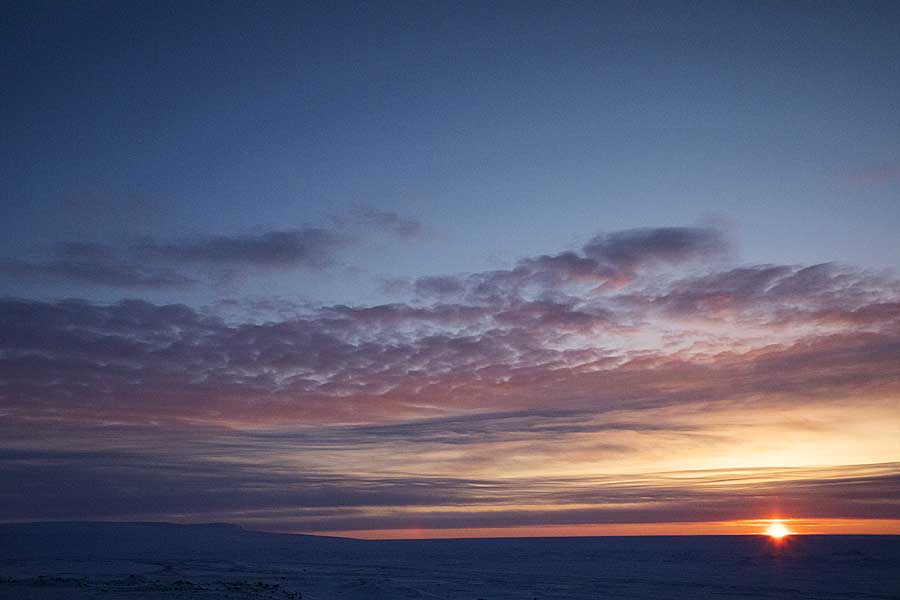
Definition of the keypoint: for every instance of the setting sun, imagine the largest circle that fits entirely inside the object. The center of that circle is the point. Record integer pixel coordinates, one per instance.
(777, 530)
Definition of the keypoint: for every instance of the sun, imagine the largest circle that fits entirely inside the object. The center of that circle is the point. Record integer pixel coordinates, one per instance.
(777, 530)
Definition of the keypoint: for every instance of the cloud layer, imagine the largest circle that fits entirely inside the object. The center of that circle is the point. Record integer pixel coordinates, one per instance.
(637, 379)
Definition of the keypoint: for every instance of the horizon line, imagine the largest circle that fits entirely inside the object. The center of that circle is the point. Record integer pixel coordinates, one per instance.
(750, 527)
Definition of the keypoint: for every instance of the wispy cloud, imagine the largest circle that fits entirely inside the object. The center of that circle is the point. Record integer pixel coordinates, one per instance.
(95, 265)
(387, 222)
(177, 474)
(152, 263)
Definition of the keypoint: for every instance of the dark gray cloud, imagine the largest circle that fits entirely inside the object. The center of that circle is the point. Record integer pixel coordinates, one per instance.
(439, 286)
(312, 248)
(634, 248)
(204, 260)
(97, 265)
(158, 265)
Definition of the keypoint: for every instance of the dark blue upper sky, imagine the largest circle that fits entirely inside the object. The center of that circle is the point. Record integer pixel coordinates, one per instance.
(506, 129)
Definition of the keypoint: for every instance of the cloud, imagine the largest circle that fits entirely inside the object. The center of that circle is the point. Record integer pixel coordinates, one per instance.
(147, 473)
(438, 286)
(393, 361)
(94, 264)
(610, 260)
(387, 222)
(538, 315)
(561, 399)
(632, 249)
(211, 260)
(310, 248)
(820, 293)
(152, 264)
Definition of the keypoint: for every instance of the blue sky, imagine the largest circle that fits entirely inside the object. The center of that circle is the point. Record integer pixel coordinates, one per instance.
(509, 129)
(394, 266)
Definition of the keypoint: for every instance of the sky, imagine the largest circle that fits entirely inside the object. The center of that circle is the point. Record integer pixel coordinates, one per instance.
(452, 269)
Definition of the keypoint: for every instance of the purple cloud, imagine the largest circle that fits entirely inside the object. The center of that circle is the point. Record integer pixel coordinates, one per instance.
(606, 261)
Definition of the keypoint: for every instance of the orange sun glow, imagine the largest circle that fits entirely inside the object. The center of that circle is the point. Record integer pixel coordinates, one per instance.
(777, 530)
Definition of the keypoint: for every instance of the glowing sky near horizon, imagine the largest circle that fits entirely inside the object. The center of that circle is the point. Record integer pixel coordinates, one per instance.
(408, 271)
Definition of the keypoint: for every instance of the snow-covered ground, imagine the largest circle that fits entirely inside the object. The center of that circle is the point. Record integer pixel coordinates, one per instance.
(223, 562)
